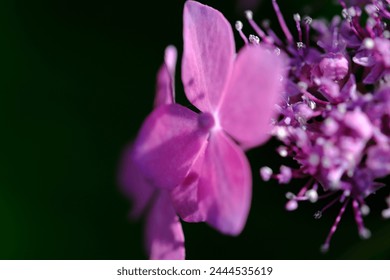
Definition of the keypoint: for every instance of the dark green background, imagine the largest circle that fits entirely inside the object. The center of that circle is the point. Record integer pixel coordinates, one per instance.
(77, 81)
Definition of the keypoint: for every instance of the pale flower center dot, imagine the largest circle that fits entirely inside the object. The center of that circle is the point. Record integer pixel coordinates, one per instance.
(206, 121)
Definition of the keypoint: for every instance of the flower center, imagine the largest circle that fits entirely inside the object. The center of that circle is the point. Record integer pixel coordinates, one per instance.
(206, 121)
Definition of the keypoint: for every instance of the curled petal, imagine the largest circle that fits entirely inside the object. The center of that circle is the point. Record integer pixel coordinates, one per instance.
(165, 91)
(364, 58)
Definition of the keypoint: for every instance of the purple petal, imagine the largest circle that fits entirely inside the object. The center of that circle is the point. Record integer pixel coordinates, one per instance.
(383, 47)
(134, 184)
(185, 196)
(164, 234)
(374, 74)
(167, 145)
(360, 123)
(349, 88)
(208, 54)
(330, 89)
(364, 58)
(225, 185)
(252, 93)
(165, 91)
(378, 160)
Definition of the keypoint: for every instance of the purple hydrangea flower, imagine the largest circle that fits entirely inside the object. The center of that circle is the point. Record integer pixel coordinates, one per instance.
(334, 121)
(192, 160)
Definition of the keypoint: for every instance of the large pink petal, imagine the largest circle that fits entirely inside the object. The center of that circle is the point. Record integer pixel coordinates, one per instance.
(133, 184)
(208, 54)
(225, 185)
(165, 91)
(168, 144)
(253, 90)
(164, 234)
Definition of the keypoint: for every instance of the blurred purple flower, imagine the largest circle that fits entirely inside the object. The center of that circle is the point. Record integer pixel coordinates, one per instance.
(163, 232)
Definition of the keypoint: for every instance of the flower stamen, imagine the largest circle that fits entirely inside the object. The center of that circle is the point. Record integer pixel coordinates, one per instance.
(325, 246)
(282, 22)
(239, 27)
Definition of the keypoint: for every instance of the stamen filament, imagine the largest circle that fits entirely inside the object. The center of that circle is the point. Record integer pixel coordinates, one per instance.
(297, 19)
(363, 232)
(282, 22)
(238, 27)
(333, 229)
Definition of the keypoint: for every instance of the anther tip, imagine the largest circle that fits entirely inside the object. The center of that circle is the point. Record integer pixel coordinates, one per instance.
(308, 20)
(291, 205)
(324, 248)
(290, 195)
(312, 195)
(266, 173)
(302, 85)
(368, 43)
(254, 39)
(365, 210)
(238, 25)
(365, 233)
(386, 213)
(170, 53)
(249, 14)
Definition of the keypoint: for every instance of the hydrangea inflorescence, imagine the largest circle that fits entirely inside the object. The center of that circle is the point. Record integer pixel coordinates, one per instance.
(334, 120)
